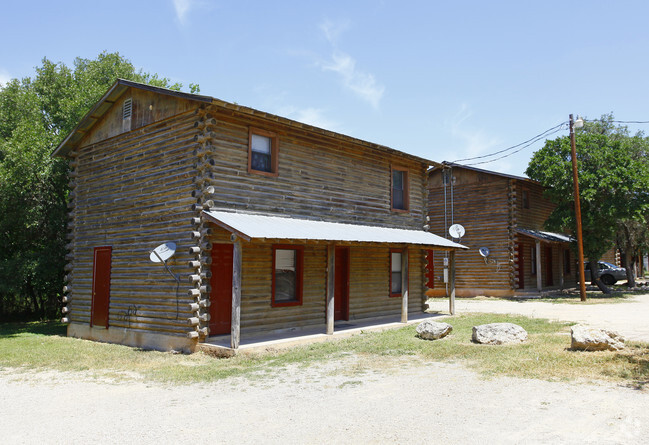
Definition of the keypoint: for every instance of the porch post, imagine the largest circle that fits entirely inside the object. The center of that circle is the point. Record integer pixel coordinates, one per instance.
(404, 285)
(561, 267)
(331, 283)
(539, 269)
(235, 329)
(451, 282)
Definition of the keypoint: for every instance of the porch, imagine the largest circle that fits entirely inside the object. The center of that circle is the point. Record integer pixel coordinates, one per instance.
(220, 346)
(372, 280)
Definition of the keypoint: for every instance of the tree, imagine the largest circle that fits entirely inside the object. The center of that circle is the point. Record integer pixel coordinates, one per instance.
(35, 115)
(632, 238)
(613, 183)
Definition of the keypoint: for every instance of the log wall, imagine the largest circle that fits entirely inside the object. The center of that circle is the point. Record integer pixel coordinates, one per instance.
(319, 177)
(369, 279)
(481, 203)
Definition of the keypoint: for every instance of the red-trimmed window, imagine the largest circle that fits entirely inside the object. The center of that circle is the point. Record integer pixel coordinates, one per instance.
(396, 257)
(533, 261)
(526, 199)
(400, 184)
(263, 156)
(288, 265)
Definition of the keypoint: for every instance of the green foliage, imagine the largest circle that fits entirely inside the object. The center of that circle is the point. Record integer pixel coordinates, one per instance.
(35, 115)
(613, 181)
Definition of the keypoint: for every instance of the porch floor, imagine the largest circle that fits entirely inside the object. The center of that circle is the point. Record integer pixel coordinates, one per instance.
(219, 345)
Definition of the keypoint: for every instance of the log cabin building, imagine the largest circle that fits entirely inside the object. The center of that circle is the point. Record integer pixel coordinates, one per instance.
(506, 215)
(274, 225)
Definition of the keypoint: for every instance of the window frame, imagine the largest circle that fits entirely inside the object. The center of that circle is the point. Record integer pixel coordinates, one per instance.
(406, 189)
(525, 198)
(533, 261)
(274, 151)
(299, 275)
(567, 270)
(401, 252)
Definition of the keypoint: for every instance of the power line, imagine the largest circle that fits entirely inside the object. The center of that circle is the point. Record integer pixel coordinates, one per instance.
(530, 141)
(516, 151)
(550, 131)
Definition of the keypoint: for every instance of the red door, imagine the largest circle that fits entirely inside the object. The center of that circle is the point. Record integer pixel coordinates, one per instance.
(548, 267)
(521, 265)
(100, 286)
(341, 288)
(221, 283)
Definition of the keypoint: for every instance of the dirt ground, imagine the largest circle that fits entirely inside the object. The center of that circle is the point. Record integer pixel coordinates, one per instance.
(401, 402)
(330, 403)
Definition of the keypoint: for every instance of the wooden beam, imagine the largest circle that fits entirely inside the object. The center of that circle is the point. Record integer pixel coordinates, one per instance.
(331, 286)
(561, 267)
(451, 282)
(236, 295)
(539, 269)
(404, 286)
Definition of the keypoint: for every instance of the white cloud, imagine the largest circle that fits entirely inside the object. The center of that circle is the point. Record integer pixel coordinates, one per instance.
(474, 142)
(361, 83)
(333, 30)
(311, 116)
(182, 7)
(5, 77)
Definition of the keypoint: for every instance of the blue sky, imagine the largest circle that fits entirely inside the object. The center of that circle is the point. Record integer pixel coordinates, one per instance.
(441, 80)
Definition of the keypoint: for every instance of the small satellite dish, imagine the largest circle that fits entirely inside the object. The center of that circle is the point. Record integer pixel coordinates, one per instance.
(163, 252)
(456, 231)
(484, 251)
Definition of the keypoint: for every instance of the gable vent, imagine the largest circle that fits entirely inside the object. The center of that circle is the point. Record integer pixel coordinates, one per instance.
(127, 111)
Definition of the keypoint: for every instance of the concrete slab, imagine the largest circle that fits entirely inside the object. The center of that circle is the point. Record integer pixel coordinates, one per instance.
(629, 318)
(219, 346)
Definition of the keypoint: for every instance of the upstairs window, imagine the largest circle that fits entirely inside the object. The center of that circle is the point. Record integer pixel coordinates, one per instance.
(526, 199)
(262, 152)
(400, 186)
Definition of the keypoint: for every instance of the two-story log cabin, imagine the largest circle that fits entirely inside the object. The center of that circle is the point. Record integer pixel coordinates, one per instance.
(277, 225)
(506, 215)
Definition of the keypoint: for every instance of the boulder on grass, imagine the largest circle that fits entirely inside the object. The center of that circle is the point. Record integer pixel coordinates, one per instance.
(593, 339)
(432, 330)
(499, 334)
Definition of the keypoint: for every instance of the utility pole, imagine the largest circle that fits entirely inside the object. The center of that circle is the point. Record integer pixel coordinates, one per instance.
(575, 181)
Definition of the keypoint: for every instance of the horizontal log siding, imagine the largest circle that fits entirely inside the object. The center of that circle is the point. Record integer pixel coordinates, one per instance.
(133, 193)
(481, 205)
(540, 207)
(319, 177)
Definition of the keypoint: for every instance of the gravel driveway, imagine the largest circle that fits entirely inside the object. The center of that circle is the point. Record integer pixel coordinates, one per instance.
(401, 402)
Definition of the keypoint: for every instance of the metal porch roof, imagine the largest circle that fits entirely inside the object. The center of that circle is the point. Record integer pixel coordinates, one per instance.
(546, 236)
(252, 226)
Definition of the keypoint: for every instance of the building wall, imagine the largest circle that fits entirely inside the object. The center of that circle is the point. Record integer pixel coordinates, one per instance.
(368, 286)
(133, 192)
(319, 177)
(480, 203)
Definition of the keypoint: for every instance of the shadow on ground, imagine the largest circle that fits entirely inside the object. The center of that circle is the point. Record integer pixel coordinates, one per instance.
(8, 330)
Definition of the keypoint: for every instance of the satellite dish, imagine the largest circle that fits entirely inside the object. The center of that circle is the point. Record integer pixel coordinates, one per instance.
(484, 251)
(163, 252)
(456, 231)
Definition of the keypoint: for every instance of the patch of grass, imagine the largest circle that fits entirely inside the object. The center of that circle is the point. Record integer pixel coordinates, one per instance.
(545, 355)
(618, 295)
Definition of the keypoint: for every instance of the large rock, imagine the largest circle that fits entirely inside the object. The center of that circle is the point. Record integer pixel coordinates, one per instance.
(432, 330)
(499, 334)
(594, 339)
